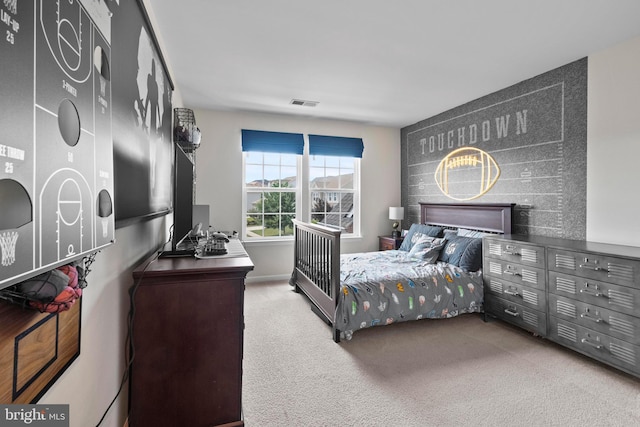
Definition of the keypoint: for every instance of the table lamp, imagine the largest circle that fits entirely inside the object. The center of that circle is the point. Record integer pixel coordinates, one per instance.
(396, 214)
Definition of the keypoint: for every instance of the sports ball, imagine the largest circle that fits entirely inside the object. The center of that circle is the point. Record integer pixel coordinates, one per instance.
(466, 173)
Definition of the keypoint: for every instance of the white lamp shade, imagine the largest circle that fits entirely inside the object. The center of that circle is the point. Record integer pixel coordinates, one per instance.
(396, 213)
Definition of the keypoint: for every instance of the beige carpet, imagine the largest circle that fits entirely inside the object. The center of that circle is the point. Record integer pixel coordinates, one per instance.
(452, 372)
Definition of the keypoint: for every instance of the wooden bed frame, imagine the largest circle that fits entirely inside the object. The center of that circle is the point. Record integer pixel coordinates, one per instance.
(317, 249)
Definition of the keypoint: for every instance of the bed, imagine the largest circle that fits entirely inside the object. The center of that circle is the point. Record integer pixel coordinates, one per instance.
(425, 278)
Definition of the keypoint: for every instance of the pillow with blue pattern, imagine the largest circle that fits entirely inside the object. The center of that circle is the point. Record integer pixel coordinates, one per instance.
(421, 230)
(427, 249)
(464, 252)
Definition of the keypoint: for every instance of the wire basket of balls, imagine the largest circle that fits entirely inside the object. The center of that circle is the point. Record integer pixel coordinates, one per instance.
(53, 291)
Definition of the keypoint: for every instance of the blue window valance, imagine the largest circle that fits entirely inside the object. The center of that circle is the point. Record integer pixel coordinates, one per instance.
(335, 146)
(272, 142)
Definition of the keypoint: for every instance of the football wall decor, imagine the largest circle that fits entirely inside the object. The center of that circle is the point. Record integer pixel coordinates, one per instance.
(525, 144)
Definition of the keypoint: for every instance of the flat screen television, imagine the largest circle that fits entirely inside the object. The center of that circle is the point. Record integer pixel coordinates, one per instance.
(182, 205)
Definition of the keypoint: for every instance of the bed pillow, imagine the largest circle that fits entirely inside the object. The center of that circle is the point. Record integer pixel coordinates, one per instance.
(423, 230)
(427, 249)
(464, 252)
(449, 233)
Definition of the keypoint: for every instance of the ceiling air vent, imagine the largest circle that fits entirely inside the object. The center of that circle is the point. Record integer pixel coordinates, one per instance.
(303, 103)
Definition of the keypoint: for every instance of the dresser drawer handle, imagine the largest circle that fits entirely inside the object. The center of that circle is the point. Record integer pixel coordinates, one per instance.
(512, 253)
(512, 293)
(511, 312)
(587, 342)
(595, 293)
(593, 319)
(513, 273)
(588, 267)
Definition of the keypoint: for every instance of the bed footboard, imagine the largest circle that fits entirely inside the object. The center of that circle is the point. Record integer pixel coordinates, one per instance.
(317, 269)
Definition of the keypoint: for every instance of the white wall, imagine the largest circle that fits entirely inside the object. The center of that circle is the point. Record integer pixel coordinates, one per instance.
(219, 178)
(613, 145)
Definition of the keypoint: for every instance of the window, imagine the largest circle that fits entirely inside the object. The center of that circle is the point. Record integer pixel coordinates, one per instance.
(274, 186)
(333, 191)
(271, 184)
(271, 189)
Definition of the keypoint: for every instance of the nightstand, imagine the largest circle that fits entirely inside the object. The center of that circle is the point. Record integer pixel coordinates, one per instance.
(388, 243)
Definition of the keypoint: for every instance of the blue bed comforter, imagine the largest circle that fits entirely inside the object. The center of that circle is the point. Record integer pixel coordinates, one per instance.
(379, 288)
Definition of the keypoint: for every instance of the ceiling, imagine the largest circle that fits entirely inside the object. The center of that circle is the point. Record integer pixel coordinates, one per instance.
(382, 62)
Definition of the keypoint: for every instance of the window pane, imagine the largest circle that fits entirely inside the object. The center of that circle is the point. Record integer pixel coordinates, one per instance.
(272, 158)
(254, 202)
(346, 203)
(316, 161)
(318, 204)
(286, 225)
(333, 220)
(347, 163)
(333, 178)
(253, 175)
(254, 226)
(332, 161)
(318, 218)
(289, 160)
(316, 177)
(272, 176)
(253, 157)
(288, 202)
(271, 203)
(289, 178)
(271, 225)
(346, 180)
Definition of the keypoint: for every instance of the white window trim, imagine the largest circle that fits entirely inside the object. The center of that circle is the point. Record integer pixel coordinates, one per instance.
(246, 189)
(303, 199)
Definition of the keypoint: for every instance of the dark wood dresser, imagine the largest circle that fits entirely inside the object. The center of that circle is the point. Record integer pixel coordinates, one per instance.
(187, 337)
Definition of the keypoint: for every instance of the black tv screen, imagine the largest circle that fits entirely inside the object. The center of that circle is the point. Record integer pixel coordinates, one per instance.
(182, 196)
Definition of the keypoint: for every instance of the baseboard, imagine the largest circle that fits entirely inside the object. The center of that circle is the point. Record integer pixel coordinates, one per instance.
(261, 279)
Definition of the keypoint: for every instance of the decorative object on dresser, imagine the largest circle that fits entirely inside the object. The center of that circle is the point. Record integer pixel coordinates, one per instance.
(393, 286)
(188, 340)
(396, 214)
(387, 243)
(592, 293)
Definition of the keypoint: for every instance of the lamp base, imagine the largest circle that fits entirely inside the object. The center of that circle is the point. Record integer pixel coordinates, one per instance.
(395, 234)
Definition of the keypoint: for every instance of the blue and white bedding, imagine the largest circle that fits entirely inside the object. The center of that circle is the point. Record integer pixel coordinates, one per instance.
(379, 288)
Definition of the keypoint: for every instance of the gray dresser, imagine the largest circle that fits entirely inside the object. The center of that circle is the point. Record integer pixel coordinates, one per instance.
(587, 293)
(515, 283)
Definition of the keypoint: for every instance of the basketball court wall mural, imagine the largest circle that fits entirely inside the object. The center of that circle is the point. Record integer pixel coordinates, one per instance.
(526, 144)
(56, 151)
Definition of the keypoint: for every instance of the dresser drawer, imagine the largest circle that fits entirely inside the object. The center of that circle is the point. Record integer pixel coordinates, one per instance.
(516, 273)
(603, 294)
(525, 295)
(595, 344)
(618, 325)
(517, 314)
(616, 270)
(513, 251)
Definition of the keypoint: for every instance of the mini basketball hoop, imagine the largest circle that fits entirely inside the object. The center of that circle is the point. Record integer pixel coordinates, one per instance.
(8, 242)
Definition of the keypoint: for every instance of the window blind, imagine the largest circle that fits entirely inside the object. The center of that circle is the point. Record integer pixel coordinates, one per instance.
(335, 146)
(272, 142)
